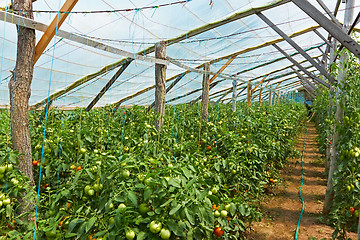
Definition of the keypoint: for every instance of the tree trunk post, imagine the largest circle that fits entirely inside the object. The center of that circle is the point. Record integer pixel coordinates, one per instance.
(334, 155)
(260, 94)
(160, 91)
(331, 90)
(270, 96)
(205, 94)
(249, 94)
(234, 95)
(19, 89)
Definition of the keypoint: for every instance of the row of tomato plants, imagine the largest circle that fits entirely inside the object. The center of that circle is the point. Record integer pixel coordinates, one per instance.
(344, 213)
(108, 175)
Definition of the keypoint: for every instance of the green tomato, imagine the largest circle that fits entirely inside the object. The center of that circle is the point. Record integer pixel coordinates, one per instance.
(96, 151)
(96, 187)
(121, 206)
(87, 188)
(2, 169)
(216, 213)
(348, 187)
(9, 167)
(214, 190)
(143, 208)
(223, 213)
(126, 173)
(130, 234)
(1, 203)
(111, 206)
(50, 234)
(111, 220)
(91, 192)
(14, 181)
(227, 207)
(1, 176)
(82, 150)
(165, 233)
(155, 227)
(356, 213)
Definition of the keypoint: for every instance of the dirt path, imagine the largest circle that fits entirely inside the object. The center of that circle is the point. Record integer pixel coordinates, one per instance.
(283, 210)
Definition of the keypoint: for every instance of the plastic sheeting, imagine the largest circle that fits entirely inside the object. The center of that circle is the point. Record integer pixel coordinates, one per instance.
(137, 30)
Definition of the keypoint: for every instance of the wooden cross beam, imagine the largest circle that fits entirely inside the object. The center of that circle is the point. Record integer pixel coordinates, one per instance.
(322, 70)
(53, 27)
(302, 68)
(329, 26)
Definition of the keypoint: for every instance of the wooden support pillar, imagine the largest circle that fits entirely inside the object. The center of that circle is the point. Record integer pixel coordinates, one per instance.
(205, 94)
(234, 95)
(160, 78)
(249, 94)
(51, 30)
(261, 90)
(334, 155)
(270, 96)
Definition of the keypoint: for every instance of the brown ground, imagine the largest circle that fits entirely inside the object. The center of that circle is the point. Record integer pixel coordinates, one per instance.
(281, 212)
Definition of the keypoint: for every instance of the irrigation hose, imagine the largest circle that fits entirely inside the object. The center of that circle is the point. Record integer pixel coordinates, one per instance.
(302, 183)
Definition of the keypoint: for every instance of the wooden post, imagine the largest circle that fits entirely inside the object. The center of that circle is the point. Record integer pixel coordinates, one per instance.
(261, 90)
(249, 94)
(334, 155)
(270, 96)
(205, 93)
(160, 78)
(51, 30)
(19, 89)
(234, 95)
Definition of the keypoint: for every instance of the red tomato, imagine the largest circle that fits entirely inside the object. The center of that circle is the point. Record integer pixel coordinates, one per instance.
(78, 168)
(35, 163)
(218, 231)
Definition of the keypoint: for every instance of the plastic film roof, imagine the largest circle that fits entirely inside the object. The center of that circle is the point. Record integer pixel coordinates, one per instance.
(65, 61)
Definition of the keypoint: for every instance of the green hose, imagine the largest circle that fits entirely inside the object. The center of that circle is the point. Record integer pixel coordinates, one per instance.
(302, 183)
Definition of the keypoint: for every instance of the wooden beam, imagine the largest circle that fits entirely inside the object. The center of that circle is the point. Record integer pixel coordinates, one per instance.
(108, 85)
(160, 79)
(297, 47)
(121, 62)
(302, 68)
(262, 80)
(53, 28)
(169, 88)
(222, 69)
(329, 26)
(205, 94)
(234, 96)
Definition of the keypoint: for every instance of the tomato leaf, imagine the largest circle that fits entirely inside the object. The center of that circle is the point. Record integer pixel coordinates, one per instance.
(132, 198)
(175, 209)
(186, 172)
(167, 202)
(74, 222)
(189, 216)
(175, 182)
(70, 235)
(141, 235)
(147, 194)
(90, 223)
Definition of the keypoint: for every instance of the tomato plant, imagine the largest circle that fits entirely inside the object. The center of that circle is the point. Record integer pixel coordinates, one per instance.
(114, 176)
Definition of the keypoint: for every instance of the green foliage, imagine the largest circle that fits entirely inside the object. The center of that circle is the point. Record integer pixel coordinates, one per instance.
(131, 174)
(347, 176)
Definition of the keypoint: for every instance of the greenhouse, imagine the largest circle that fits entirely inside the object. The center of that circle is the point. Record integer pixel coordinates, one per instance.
(179, 119)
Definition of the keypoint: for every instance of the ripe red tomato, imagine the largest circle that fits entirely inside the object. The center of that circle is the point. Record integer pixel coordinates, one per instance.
(352, 210)
(35, 163)
(78, 168)
(218, 231)
(208, 148)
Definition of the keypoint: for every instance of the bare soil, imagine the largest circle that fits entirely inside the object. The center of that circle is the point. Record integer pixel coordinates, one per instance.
(282, 211)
